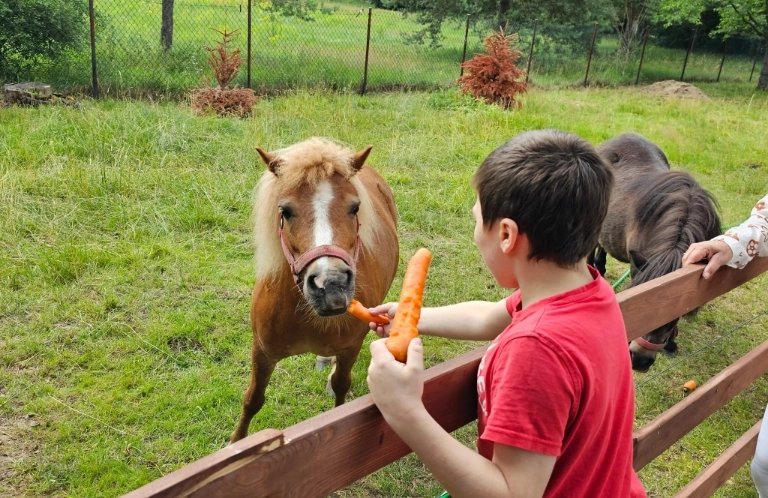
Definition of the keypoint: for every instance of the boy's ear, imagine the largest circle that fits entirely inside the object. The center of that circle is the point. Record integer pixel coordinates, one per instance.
(508, 235)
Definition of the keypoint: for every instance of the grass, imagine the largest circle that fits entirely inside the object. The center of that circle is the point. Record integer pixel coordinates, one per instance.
(126, 269)
(330, 52)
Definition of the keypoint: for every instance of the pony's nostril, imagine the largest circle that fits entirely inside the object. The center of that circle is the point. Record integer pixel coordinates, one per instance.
(315, 283)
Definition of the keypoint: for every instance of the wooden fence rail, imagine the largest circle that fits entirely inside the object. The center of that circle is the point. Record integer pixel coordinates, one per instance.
(336, 448)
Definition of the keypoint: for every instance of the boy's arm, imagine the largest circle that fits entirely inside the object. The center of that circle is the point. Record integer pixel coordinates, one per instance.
(469, 321)
(463, 472)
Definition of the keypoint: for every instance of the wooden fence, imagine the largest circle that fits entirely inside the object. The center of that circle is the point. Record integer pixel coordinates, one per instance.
(334, 449)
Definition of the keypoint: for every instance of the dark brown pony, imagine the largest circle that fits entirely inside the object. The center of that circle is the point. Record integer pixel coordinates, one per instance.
(654, 215)
(325, 231)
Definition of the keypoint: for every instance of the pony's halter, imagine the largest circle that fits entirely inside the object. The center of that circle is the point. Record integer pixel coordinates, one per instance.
(652, 346)
(298, 264)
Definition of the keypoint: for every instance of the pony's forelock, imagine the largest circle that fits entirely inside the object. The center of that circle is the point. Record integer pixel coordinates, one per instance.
(308, 162)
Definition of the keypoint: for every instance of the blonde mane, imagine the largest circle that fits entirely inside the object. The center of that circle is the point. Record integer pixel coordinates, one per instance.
(307, 162)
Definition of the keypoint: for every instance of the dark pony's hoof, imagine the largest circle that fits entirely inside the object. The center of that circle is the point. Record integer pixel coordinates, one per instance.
(670, 347)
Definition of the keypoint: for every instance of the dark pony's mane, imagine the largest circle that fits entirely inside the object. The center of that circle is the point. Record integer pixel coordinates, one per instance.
(673, 211)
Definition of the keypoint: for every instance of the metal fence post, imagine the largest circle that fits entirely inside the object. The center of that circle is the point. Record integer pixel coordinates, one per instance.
(722, 61)
(94, 79)
(589, 59)
(248, 76)
(367, 48)
(642, 55)
(464, 54)
(754, 60)
(530, 54)
(690, 49)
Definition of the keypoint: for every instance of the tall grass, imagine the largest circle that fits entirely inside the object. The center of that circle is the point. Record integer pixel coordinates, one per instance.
(126, 269)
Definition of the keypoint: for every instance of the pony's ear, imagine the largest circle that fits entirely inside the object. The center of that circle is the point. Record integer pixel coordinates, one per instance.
(271, 160)
(359, 159)
(637, 260)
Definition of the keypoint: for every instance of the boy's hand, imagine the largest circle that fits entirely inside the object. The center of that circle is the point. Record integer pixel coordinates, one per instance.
(387, 309)
(396, 388)
(716, 252)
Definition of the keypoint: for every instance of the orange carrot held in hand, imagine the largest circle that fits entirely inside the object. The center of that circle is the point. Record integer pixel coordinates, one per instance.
(409, 308)
(361, 312)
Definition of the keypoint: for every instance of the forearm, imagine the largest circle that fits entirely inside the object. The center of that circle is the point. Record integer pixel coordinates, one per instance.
(459, 469)
(749, 239)
(469, 321)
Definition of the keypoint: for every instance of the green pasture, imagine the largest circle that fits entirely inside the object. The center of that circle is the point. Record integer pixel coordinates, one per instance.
(126, 269)
(328, 50)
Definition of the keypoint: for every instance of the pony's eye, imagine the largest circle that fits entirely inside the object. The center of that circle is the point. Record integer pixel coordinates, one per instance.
(354, 209)
(286, 212)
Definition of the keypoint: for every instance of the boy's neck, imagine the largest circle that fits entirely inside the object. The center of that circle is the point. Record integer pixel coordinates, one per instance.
(542, 279)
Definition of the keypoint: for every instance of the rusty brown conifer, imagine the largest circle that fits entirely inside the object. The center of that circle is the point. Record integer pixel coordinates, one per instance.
(494, 77)
(223, 100)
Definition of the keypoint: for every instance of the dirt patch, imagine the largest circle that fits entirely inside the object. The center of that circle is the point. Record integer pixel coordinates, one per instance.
(16, 443)
(676, 89)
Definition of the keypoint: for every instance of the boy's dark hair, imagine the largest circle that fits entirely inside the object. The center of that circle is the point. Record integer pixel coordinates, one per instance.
(554, 185)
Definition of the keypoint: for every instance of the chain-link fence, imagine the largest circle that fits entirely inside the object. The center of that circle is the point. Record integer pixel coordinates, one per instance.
(159, 46)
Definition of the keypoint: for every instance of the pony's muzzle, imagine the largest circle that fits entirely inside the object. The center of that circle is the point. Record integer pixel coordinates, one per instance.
(329, 291)
(642, 361)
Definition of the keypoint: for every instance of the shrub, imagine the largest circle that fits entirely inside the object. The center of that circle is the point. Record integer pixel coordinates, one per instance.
(34, 32)
(493, 76)
(222, 100)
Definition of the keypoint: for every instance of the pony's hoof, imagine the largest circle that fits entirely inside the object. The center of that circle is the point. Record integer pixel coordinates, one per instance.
(322, 362)
(329, 389)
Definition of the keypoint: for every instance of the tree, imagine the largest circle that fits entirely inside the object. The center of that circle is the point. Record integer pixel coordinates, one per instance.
(33, 31)
(630, 20)
(166, 26)
(494, 77)
(737, 17)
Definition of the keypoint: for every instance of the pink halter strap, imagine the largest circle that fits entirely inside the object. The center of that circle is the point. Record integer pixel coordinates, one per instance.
(651, 346)
(298, 264)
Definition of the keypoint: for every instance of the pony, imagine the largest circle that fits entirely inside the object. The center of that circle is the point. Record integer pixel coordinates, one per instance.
(654, 214)
(325, 232)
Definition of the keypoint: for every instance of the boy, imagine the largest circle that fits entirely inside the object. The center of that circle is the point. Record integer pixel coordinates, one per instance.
(555, 390)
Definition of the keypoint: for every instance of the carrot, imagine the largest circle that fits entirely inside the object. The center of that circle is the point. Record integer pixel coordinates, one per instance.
(689, 386)
(361, 312)
(409, 308)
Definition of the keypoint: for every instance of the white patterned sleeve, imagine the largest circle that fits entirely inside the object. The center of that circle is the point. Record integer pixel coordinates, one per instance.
(749, 239)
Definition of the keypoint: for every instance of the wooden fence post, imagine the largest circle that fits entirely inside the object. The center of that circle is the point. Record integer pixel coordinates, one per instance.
(464, 53)
(589, 59)
(94, 78)
(642, 55)
(248, 76)
(690, 48)
(530, 54)
(367, 48)
(722, 61)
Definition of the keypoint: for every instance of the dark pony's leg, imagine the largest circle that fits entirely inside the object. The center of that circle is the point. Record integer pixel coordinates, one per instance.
(591, 258)
(261, 371)
(341, 378)
(599, 259)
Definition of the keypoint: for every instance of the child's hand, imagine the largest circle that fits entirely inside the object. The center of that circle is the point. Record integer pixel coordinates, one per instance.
(396, 388)
(388, 309)
(716, 252)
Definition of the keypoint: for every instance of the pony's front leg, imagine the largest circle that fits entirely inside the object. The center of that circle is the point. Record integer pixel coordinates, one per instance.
(262, 367)
(341, 377)
(601, 259)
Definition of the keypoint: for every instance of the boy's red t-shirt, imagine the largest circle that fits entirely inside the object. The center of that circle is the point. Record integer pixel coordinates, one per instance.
(558, 381)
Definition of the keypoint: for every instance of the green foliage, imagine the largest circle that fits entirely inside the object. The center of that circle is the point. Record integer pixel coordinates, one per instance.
(431, 14)
(34, 32)
(736, 16)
